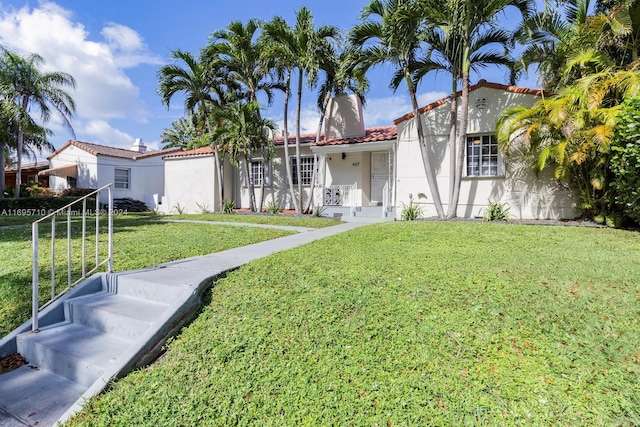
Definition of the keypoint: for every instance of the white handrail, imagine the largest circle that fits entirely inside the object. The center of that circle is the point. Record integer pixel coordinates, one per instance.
(385, 198)
(35, 307)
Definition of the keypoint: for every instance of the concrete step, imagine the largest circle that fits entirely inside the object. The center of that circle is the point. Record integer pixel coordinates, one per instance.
(143, 286)
(35, 397)
(76, 352)
(116, 314)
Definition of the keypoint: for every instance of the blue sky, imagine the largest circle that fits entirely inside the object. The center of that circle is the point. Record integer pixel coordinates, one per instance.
(114, 48)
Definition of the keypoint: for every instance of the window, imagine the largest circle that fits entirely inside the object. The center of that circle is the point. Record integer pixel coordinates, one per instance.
(306, 170)
(121, 178)
(258, 173)
(482, 156)
(72, 182)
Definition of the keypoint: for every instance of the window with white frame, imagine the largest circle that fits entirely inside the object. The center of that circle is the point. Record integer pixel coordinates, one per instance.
(306, 170)
(482, 156)
(258, 172)
(121, 178)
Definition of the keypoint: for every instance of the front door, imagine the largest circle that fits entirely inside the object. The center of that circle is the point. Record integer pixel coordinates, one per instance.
(379, 175)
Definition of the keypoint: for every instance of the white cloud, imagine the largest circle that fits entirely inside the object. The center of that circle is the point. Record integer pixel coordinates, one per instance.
(103, 89)
(309, 117)
(102, 133)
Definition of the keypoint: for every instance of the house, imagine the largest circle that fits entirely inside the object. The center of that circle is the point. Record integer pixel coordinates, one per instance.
(375, 171)
(135, 173)
(487, 175)
(29, 173)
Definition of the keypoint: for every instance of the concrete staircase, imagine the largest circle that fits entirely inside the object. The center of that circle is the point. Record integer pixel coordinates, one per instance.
(101, 330)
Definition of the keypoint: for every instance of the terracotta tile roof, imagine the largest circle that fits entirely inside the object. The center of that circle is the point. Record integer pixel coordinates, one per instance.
(35, 166)
(480, 84)
(375, 134)
(104, 150)
(204, 151)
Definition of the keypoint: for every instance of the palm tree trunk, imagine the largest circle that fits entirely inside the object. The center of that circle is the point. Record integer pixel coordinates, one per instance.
(16, 192)
(428, 169)
(325, 104)
(264, 177)
(462, 142)
(286, 142)
(298, 164)
(218, 166)
(252, 190)
(452, 146)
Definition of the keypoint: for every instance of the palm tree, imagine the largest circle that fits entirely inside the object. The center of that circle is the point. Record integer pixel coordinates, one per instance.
(469, 35)
(241, 131)
(24, 84)
(302, 48)
(203, 87)
(237, 49)
(389, 34)
(180, 135)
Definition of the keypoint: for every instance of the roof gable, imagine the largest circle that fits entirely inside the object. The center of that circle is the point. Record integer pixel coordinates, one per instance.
(480, 84)
(107, 151)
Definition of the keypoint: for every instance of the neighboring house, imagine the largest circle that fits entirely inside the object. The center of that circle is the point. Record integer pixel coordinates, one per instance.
(135, 173)
(375, 171)
(29, 174)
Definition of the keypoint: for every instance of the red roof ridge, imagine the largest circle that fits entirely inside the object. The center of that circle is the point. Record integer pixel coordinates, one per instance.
(480, 84)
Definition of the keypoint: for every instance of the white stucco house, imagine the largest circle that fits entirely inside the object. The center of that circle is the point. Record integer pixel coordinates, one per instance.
(135, 173)
(374, 171)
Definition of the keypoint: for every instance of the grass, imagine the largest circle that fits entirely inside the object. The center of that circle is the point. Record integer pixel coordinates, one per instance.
(137, 244)
(296, 221)
(398, 324)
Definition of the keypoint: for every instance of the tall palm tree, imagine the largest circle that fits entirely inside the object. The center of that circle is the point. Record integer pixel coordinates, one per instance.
(469, 35)
(302, 48)
(24, 84)
(237, 48)
(180, 135)
(242, 130)
(203, 87)
(389, 34)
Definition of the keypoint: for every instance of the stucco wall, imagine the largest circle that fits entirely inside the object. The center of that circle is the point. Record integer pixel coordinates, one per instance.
(146, 177)
(527, 195)
(189, 181)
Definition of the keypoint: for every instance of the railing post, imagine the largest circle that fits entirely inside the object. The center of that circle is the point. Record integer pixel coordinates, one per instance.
(69, 246)
(97, 228)
(84, 235)
(53, 257)
(110, 230)
(34, 272)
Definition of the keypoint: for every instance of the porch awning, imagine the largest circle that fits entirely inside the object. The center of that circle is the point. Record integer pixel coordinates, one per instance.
(61, 171)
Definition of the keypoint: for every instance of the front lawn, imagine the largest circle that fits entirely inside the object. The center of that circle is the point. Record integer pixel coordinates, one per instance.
(253, 218)
(416, 324)
(137, 244)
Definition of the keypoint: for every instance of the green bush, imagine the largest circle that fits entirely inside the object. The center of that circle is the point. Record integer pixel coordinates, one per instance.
(496, 212)
(625, 162)
(228, 206)
(410, 212)
(273, 208)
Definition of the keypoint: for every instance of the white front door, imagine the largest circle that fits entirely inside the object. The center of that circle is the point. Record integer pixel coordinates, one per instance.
(379, 175)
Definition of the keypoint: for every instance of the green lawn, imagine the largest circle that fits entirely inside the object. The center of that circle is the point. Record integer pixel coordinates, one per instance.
(418, 324)
(137, 244)
(296, 221)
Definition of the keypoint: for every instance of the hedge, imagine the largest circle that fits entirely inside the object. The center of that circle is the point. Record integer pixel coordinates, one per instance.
(41, 203)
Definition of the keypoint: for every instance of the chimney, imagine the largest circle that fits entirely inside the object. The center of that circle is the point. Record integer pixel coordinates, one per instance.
(344, 118)
(138, 146)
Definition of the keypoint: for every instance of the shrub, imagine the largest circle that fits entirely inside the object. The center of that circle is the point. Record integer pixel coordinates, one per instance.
(273, 207)
(496, 212)
(204, 208)
(228, 206)
(77, 192)
(318, 210)
(179, 209)
(410, 212)
(625, 162)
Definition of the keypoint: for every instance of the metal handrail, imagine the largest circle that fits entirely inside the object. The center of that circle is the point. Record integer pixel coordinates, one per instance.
(35, 308)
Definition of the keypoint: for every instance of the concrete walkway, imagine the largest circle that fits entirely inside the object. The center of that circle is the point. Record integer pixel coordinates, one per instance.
(111, 324)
